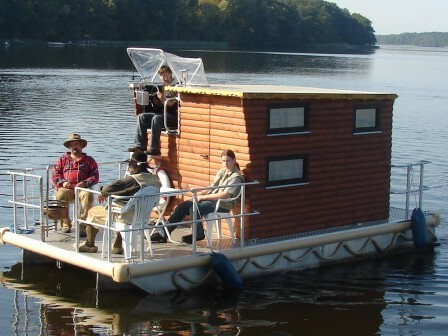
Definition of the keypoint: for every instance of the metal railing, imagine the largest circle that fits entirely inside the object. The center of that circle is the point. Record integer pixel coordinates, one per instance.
(196, 217)
(32, 192)
(26, 199)
(411, 187)
(30, 199)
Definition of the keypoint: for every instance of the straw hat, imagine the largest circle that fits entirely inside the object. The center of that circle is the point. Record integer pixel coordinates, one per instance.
(74, 137)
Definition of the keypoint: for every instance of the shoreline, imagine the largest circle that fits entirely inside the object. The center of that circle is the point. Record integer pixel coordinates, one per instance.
(333, 48)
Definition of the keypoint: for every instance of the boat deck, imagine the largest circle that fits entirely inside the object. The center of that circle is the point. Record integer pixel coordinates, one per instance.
(67, 241)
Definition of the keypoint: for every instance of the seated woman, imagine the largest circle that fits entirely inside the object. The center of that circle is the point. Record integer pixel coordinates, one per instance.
(206, 200)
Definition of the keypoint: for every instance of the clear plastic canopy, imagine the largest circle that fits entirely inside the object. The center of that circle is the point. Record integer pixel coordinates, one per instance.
(187, 71)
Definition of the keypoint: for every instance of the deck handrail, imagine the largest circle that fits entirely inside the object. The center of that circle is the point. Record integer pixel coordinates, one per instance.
(409, 183)
(109, 201)
(26, 200)
(44, 192)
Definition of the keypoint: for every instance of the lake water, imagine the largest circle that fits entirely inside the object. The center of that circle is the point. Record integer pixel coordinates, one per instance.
(47, 93)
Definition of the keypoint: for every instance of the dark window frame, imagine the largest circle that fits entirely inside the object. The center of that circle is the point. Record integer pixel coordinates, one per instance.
(288, 182)
(288, 130)
(376, 128)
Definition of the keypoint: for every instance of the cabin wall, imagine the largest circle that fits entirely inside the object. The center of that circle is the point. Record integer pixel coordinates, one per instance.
(349, 175)
(193, 157)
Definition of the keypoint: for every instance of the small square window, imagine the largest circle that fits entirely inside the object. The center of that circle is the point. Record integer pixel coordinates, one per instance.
(366, 119)
(287, 170)
(287, 119)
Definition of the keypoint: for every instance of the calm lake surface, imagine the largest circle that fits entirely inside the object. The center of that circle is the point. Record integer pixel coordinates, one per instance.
(47, 93)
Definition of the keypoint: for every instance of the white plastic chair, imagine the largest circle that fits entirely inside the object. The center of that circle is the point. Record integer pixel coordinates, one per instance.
(214, 219)
(142, 203)
(160, 208)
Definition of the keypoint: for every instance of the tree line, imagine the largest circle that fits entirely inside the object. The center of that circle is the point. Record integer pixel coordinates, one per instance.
(434, 39)
(249, 24)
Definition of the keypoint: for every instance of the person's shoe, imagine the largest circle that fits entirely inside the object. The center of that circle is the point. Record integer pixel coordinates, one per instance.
(188, 239)
(66, 229)
(154, 152)
(157, 238)
(117, 250)
(135, 149)
(88, 249)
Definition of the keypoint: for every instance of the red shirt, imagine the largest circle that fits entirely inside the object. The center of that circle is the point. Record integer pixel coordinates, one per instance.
(74, 172)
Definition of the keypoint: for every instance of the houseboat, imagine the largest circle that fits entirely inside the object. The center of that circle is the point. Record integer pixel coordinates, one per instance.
(317, 185)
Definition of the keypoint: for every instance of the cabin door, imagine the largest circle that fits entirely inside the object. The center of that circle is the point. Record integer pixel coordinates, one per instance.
(194, 141)
(206, 156)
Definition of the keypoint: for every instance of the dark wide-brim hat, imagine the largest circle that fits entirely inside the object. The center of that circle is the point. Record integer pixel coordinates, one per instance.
(75, 137)
(139, 157)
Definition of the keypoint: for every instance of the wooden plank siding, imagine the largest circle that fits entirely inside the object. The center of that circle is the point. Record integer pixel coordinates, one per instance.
(348, 174)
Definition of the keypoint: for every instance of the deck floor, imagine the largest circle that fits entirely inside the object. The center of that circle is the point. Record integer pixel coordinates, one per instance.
(67, 241)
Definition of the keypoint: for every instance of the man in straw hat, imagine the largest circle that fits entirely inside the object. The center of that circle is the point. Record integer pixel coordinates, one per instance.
(75, 169)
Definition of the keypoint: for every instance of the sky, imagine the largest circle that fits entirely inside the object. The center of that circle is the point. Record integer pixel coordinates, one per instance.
(400, 16)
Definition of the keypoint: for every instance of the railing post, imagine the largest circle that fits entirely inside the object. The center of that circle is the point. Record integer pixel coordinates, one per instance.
(420, 193)
(109, 221)
(243, 202)
(44, 223)
(14, 200)
(408, 189)
(75, 218)
(41, 196)
(195, 217)
(25, 199)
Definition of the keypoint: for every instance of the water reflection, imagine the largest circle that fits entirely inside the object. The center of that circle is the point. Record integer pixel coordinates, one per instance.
(352, 298)
(70, 309)
(214, 61)
(42, 56)
(281, 63)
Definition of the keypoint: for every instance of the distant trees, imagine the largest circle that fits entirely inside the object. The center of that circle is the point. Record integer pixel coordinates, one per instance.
(324, 22)
(251, 24)
(416, 39)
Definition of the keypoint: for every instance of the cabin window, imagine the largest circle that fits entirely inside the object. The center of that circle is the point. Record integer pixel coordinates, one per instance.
(366, 119)
(287, 170)
(287, 120)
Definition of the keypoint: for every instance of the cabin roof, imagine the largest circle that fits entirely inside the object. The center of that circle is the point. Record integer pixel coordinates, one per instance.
(281, 92)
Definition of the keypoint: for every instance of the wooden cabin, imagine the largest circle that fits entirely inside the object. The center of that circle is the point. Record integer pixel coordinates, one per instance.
(322, 157)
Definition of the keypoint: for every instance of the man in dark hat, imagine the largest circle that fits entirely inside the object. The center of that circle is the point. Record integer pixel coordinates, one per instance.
(75, 169)
(139, 177)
